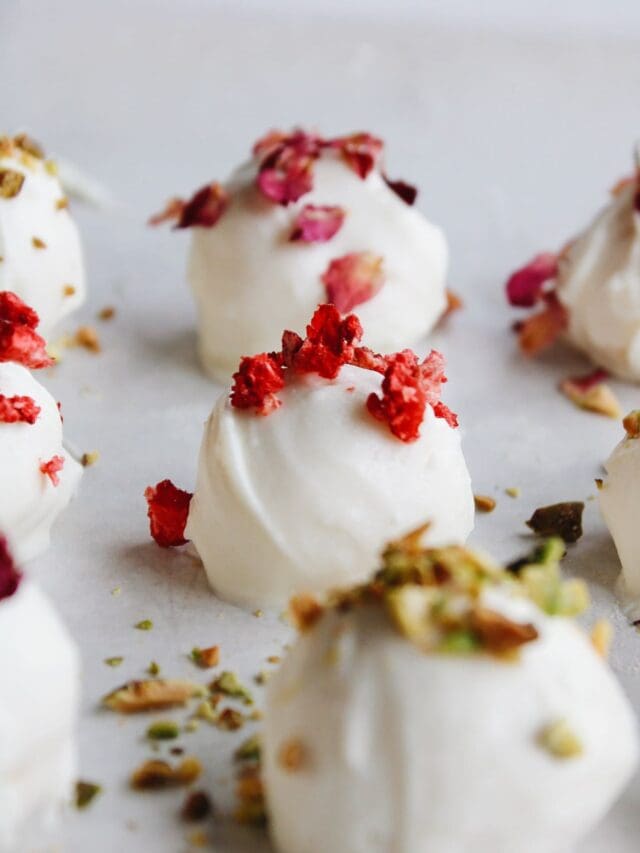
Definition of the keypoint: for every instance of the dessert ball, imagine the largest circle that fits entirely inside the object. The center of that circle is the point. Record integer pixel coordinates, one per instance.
(40, 674)
(322, 452)
(41, 256)
(618, 495)
(310, 220)
(591, 290)
(42, 474)
(440, 707)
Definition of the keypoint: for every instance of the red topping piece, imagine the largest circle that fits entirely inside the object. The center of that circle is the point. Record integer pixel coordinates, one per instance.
(317, 224)
(19, 341)
(525, 286)
(168, 510)
(408, 387)
(286, 170)
(256, 383)
(204, 208)
(52, 468)
(407, 192)
(15, 409)
(361, 151)
(353, 279)
(171, 212)
(539, 332)
(10, 577)
(329, 343)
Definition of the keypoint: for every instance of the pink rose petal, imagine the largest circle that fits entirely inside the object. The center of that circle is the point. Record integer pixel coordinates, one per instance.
(317, 224)
(353, 279)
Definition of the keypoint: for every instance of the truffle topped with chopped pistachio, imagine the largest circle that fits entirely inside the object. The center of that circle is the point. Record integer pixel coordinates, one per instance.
(40, 251)
(448, 704)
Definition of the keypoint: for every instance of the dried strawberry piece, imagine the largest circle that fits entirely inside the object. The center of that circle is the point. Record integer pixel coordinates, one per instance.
(19, 341)
(171, 212)
(361, 151)
(539, 332)
(353, 279)
(317, 223)
(168, 511)
(408, 388)
(407, 192)
(525, 286)
(204, 208)
(14, 310)
(18, 409)
(10, 577)
(329, 343)
(256, 383)
(52, 468)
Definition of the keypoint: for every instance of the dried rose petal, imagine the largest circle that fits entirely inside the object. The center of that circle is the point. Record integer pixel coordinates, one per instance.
(19, 341)
(542, 330)
(288, 179)
(329, 343)
(168, 510)
(563, 519)
(171, 212)
(454, 303)
(204, 208)
(52, 467)
(590, 392)
(317, 224)
(18, 409)
(524, 288)
(353, 279)
(256, 383)
(407, 192)
(361, 151)
(407, 388)
(10, 577)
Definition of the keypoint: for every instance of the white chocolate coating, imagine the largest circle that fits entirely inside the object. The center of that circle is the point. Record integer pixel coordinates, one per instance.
(599, 282)
(414, 753)
(29, 502)
(250, 282)
(304, 498)
(40, 677)
(39, 275)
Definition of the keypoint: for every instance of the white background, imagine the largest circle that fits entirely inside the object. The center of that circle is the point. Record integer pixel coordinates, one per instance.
(513, 120)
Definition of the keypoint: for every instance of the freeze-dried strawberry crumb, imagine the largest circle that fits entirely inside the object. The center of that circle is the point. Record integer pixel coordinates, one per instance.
(408, 388)
(52, 468)
(168, 510)
(19, 340)
(18, 409)
(10, 577)
(353, 279)
(329, 343)
(525, 286)
(317, 224)
(407, 192)
(361, 151)
(256, 383)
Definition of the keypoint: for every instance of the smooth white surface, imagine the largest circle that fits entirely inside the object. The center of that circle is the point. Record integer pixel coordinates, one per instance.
(273, 491)
(251, 283)
(512, 140)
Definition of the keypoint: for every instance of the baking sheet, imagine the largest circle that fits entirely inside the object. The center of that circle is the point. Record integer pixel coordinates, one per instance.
(513, 141)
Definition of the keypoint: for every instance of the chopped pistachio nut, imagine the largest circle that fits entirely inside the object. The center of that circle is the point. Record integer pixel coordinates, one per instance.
(599, 483)
(86, 792)
(249, 750)
(115, 661)
(51, 167)
(597, 398)
(163, 730)
(251, 807)
(156, 774)
(230, 720)
(144, 625)
(484, 503)
(153, 668)
(206, 658)
(10, 183)
(197, 806)
(513, 491)
(28, 145)
(106, 313)
(561, 519)
(602, 637)
(89, 458)
(631, 423)
(87, 337)
(62, 203)
(258, 613)
(229, 684)
(559, 739)
(68, 290)
(293, 755)
(117, 590)
(136, 696)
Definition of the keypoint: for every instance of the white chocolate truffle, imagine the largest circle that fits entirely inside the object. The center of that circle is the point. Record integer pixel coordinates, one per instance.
(305, 497)
(619, 496)
(372, 743)
(40, 251)
(39, 700)
(251, 281)
(30, 506)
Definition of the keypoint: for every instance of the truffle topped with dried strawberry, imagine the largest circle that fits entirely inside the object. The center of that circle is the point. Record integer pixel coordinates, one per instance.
(321, 452)
(309, 219)
(42, 476)
(40, 252)
(589, 292)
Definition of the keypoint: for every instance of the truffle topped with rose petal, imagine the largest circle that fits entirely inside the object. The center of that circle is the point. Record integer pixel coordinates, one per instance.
(322, 451)
(40, 251)
(589, 292)
(306, 220)
(447, 704)
(42, 474)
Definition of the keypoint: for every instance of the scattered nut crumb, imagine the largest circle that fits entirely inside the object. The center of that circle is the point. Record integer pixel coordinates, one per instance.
(136, 696)
(196, 806)
(484, 503)
(602, 637)
(513, 491)
(87, 337)
(156, 774)
(86, 792)
(206, 658)
(560, 740)
(562, 519)
(90, 458)
(38, 243)
(292, 755)
(68, 290)
(106, 313)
